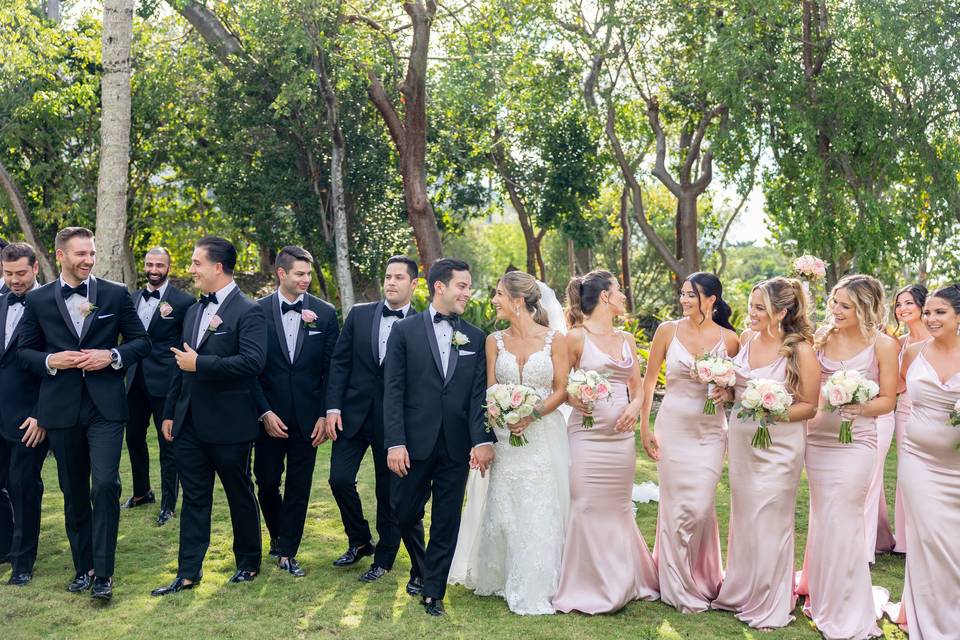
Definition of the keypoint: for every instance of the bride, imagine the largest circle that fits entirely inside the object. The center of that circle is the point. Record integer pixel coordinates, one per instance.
(511, 536)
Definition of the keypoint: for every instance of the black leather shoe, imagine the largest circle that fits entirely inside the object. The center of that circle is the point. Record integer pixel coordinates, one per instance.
(243, 576)
(164, 517)
(274, 548)
(374, 573)
(20, 579)
(415, 586)
(176, 586)
(434, 607)
(292, 567)
(81, 583)
(102, 588)
(138, 502)
(353, 554)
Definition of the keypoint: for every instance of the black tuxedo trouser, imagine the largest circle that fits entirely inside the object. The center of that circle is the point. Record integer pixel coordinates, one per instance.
(346, 454)
(88, 467)
(285, 515)
(444, 480)
(197, 462)
(21, 492)
(143, 407)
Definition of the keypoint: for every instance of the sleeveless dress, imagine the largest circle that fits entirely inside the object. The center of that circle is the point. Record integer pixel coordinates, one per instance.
(836, 570)
(758, 585)
(692, 445)
(879, 533)
(519, 543)
(929, 474)
(901, 419)
(606, 563)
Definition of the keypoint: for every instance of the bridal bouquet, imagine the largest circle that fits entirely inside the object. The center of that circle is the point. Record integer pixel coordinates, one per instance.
(848, 387)
(954, 419)
(713, 371)
(508, 404)
(764, 402)
(589, 387)
(810, 268)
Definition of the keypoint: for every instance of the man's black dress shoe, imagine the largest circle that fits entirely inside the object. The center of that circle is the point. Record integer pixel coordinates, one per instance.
(20, 579)
(415, 586)
(243, 576)
(81, 583)
(137, 502)
(102, 588)
(274, 548)
(176, 586)
(292, 567)
(434, 607)
(353, 555)
(374, 573)
(164, 517)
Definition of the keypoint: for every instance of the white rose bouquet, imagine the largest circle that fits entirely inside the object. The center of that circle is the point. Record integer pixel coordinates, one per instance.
(713, 371)
(589, 387)
(764, 402)
(508, 404)
(848, 387)
(810, 268)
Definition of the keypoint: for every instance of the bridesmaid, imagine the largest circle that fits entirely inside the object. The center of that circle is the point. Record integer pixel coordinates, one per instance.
(836, 568)
(929, 474)
(606, 563)
(908, 309)
(688, 446)
(758, 585)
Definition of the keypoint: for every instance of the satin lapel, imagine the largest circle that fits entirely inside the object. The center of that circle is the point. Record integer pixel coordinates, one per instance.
(156, 312)
(92, 299)
(194, 341)
(432, 339)
(3, 325)
(221, 311)
(375, 332)
(452, 361)
(301, 330)
(278, 326)
(62, 306)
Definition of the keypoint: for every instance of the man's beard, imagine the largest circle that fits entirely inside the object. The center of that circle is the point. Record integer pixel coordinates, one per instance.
(156, 279)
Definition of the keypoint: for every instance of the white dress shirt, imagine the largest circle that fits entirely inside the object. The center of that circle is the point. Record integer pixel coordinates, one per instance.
(386, 324)
(14, 315)
(211, 309)
(147, 307)
(444, 333)
(291, 321)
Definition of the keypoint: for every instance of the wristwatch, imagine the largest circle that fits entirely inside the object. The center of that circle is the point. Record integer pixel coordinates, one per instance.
(114, 356)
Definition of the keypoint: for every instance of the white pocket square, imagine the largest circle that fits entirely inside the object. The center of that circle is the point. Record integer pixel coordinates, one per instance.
(221, 333)
(313, 333)
(106, 315)
(467, 353)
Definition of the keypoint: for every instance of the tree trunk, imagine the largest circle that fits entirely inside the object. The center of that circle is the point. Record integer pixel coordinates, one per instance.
(52, 10)
(625, 247)
(502, 163)
(208, 25)
(114, 139)
(26, 224)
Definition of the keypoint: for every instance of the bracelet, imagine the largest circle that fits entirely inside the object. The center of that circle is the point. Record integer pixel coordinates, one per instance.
(536, 414)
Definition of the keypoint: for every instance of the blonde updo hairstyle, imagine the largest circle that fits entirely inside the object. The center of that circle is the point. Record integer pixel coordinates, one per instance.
(869, 303)
(787, 294)
(523, 286)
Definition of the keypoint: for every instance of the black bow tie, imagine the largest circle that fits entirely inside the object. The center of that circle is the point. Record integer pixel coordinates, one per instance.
(13, 299)
(387, 312)
(296, 306)
(69, 291)
(452, 318)
(147, 294)
(210, 298)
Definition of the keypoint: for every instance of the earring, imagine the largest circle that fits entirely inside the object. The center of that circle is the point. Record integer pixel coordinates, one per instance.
(780, 326)
(516, 311)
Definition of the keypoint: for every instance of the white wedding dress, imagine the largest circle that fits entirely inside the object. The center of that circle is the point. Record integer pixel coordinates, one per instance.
(511, 535)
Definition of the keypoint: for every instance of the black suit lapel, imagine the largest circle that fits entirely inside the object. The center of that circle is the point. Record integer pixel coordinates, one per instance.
(375, 332)
(278, 325)
(3, 325)
(194, 340)
(432, 339)
(221, 311)
(156, 312)
(301, 330)
(92, 299)
(62, 306)
(452, 360)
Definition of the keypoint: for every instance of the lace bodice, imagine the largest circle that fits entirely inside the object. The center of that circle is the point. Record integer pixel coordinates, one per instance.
(537, 370)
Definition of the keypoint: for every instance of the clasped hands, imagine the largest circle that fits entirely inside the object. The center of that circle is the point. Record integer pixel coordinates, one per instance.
(398, 459)
(86, 359)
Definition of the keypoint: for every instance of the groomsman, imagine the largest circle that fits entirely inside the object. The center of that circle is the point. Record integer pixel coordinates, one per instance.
(71, 337)
(161, 308)
(355, 423)
(23, 443)
(301, 333)
(434, 390)
(210, 414)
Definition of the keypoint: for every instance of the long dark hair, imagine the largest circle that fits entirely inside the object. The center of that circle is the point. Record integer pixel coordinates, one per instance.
(951, 294)
(583, 295)
(919, 294)
(710, 285)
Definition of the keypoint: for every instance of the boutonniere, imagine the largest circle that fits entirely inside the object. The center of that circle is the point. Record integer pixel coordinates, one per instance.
(215, 323)
(86, 308)
(165, 309)
(459, 339)
(309, 318)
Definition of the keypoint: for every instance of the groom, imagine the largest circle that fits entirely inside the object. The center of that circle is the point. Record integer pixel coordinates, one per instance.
(434, 390)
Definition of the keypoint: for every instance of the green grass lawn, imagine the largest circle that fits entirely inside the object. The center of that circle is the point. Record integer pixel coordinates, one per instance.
(329, 603)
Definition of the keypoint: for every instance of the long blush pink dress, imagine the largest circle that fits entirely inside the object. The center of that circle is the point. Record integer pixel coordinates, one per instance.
(758, 585)
(836, 569)
(877, 528)
(687, 547)
(901, 417)
(606, 562)
(929, 474)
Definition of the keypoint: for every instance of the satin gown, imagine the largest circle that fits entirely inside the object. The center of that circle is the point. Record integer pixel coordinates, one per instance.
(836, 568)
(758, 585)
(692, 445)
(901, 418)
(929, 474)
(606, 562)
(879, 533)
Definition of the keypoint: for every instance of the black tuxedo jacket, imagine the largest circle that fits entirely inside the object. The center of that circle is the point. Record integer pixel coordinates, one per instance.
(356, 375)
(297, 390)
(19, 388)
(46, 328)
(219, 395)
(420, 404)
(165, 332)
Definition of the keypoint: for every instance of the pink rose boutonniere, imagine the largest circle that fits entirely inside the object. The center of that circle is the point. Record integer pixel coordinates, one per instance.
(165, 309)
(309, 318)
(86, 308)
(215, 323)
